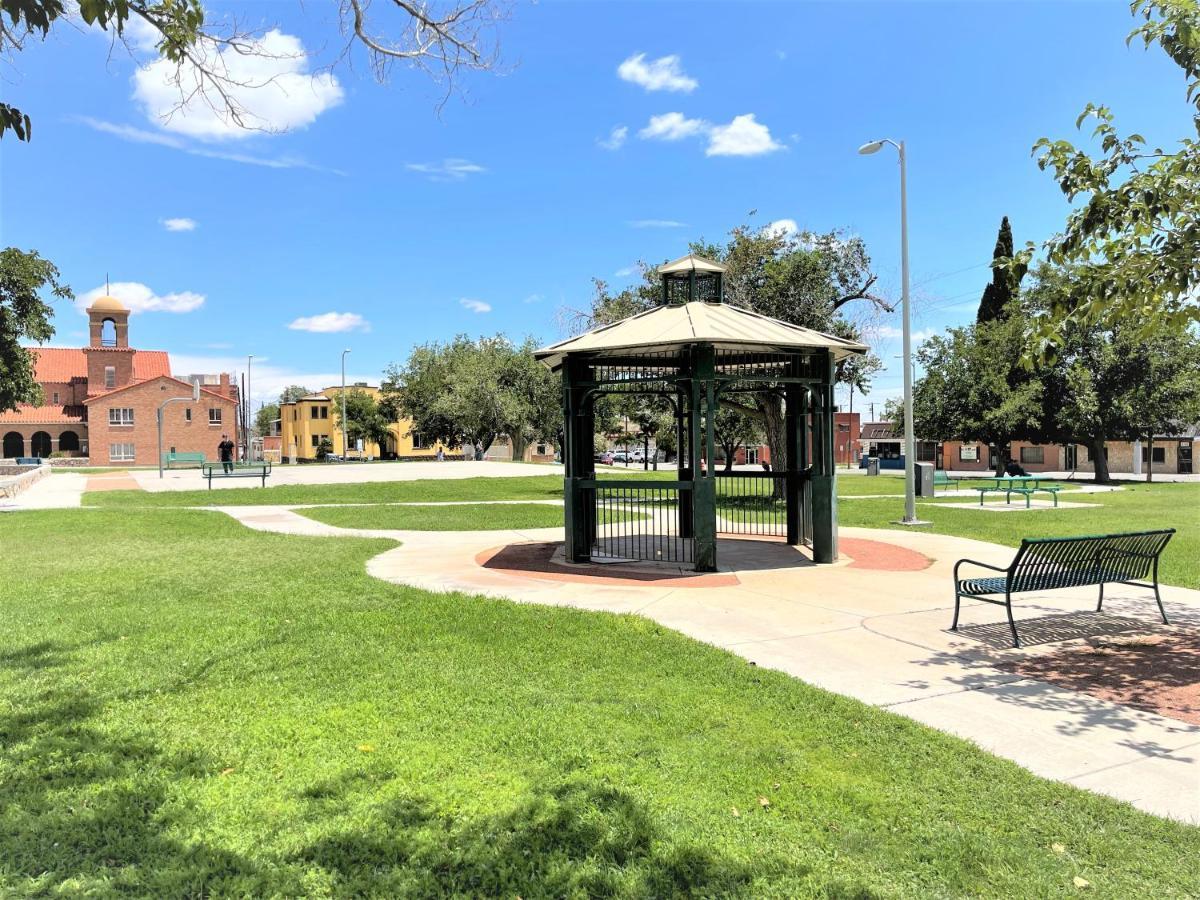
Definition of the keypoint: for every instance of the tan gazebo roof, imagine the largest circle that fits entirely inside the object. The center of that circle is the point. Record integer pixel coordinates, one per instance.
(689, 263)
(675, 326)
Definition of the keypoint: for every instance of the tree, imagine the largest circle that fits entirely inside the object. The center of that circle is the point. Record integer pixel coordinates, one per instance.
(475, 390)
(975, 387)
(441, 40)
(806, 279)
(292, 393)
(364, 420)
(1112, 380)
(1134, 240)
(24, 316)
(733, 429)
(265, 418)
(1006, 281)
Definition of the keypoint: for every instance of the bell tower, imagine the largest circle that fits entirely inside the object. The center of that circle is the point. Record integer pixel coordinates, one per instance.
(109, 356)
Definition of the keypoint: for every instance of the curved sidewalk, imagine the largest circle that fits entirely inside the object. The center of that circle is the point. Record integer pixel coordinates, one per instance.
(877, 634)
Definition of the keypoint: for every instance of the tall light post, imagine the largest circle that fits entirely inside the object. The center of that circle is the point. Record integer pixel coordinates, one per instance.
(249, 406)
(910, 498)
(195, 398)
(345, 446)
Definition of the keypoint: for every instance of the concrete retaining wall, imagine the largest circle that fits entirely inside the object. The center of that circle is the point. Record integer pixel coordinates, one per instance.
(18, 478)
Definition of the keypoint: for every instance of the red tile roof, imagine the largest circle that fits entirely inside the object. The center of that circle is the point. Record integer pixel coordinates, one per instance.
(42, 415)
(61, 364)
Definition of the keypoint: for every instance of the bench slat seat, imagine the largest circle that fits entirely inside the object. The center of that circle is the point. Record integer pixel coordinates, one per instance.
(1047, 564)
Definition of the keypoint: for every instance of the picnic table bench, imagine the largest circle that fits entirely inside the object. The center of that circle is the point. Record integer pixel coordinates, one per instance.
(196, 459)
(1046, 564)
(942, 479)
(261, 470)
(1024, 485)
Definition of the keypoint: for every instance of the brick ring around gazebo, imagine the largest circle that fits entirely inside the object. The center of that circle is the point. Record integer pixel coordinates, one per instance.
(545, 561)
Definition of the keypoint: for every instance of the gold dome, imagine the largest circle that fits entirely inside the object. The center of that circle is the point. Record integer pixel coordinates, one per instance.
(108, 304)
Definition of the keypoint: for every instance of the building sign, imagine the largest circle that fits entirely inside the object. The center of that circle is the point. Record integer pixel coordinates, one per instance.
(968, 453)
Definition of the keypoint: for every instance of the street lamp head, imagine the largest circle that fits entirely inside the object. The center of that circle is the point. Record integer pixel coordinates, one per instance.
(871, 147)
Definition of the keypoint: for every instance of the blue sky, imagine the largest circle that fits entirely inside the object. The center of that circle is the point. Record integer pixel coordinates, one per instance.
(492, 216)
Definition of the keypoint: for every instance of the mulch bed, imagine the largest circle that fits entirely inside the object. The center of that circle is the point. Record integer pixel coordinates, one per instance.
(1155, 672)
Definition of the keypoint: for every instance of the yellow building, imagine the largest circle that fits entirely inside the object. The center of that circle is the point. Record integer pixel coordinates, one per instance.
(309, 420)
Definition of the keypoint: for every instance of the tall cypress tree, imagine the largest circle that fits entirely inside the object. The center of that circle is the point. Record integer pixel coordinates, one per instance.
(1004, 283)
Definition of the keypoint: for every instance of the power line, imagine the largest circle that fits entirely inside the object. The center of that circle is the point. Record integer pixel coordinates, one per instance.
(955, 272)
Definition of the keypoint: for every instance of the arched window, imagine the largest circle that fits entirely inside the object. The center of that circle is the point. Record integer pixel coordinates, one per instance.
(68, 442)
(108, 333)
(39, 444)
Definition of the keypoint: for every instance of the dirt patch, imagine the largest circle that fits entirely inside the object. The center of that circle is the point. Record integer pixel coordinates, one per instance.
(1155, 672)
(537, 560)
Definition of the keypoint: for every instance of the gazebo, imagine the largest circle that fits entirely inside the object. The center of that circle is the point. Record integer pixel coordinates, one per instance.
(696, 350)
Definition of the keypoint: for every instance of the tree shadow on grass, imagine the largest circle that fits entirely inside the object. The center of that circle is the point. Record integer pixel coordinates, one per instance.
(575, 838)
(87, 809)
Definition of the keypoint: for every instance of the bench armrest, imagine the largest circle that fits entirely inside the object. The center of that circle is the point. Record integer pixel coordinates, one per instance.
(976, 562)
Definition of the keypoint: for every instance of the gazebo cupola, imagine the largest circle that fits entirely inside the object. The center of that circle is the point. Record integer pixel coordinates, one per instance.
(692, 354)
(692, 279)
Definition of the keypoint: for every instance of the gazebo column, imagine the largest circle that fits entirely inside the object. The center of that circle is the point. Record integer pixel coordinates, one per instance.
(683, 457)
(704, 490)
(793, 431)
(824, 477)
(578, 502)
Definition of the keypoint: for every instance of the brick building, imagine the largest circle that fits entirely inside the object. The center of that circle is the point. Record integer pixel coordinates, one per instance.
(846, 434)
(100, 401)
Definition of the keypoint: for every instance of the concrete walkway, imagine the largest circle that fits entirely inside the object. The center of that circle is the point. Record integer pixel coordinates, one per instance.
(60, 490)
(877, 635)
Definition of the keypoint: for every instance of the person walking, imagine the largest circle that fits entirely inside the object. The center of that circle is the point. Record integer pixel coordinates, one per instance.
(225, 453)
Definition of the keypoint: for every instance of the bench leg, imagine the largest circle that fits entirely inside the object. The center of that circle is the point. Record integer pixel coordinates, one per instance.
(1027, 500)
(957, 604)
(1011, 624)
(1101, 603)
(1158, 597)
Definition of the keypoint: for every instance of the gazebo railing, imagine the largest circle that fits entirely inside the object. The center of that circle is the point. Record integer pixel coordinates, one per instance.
(640, 520)
(751, 503)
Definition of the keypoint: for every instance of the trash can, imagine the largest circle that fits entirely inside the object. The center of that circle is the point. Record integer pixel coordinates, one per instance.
(872, 465)
(923, 475)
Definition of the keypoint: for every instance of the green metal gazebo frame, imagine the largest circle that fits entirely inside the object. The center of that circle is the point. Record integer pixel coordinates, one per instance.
(695, 350)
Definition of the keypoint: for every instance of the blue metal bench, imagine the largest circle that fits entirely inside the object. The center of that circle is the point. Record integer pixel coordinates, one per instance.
(1046, 564)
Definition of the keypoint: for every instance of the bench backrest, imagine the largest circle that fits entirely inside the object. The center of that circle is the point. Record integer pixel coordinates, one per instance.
(1047, 563)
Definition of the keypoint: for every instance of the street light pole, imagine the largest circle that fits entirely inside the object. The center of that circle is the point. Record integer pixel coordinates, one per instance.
(345, 446)
(249, 406)
(910, 499)
(195, 398)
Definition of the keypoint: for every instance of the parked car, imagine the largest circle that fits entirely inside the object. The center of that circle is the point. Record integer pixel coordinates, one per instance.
(637, 456)
(605, 458)
(618, 456)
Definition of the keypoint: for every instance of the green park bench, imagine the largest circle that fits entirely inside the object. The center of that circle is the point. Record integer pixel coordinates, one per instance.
(941, 479)
(211, 470)
(1047, 564)
(1020, 485)
(189, 459)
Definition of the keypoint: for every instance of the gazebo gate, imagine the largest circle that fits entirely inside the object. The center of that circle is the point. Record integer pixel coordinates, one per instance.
(678, 520)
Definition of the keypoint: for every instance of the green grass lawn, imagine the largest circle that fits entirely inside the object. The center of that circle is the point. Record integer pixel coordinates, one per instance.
(1137, 507)
(481, 517)
(192, 708)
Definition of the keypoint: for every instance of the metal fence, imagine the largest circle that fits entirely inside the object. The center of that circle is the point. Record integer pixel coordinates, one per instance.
(751, 503)
(641, 521)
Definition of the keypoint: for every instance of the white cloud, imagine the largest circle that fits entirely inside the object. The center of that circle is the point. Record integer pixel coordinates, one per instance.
(533, 298)
(744, 136)
(330, 323)
(662, 74)
(625, 272)
(475, 306)
(888, 332)
(180, 224)
(447, 169)
(139, 298)
(270, 84)
(616, 138)
(657, 223)
(141, 136)
(672, 126)
(782, 228)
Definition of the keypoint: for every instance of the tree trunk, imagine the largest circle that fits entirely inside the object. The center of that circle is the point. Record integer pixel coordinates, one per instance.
(1099, 461)
(518, 443)
(1002, 457)
(775, 430)
(1150, 459)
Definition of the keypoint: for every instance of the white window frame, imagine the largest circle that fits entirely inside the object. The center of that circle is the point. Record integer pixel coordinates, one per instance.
(214, 415)
(120, 417)
(121, 452)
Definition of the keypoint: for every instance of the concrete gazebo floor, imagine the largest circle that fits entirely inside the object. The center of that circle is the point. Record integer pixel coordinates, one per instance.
(873, 626)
